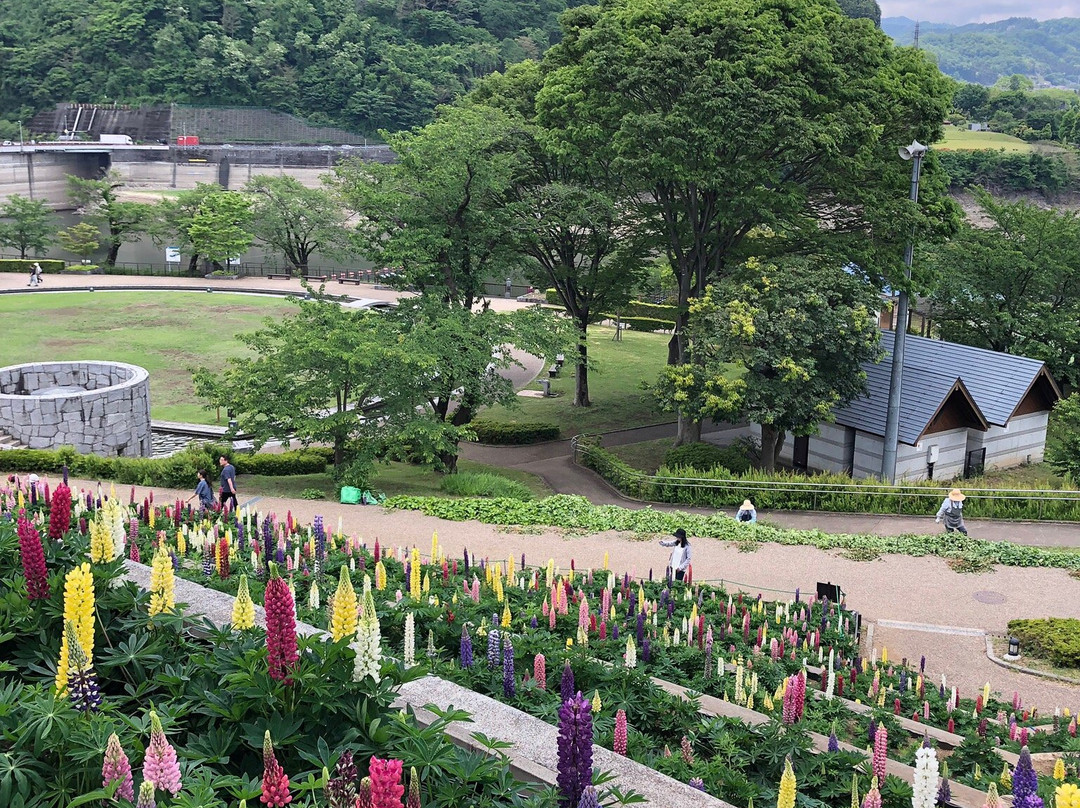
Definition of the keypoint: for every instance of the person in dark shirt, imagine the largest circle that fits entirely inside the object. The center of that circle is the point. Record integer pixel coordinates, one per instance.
(228, 482)
(203, 491)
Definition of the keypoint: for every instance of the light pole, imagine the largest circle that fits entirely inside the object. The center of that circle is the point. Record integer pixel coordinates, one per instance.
(915, 153)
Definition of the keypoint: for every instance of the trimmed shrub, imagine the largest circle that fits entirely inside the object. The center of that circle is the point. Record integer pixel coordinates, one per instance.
(23, 265)
(484, 484)
(644, 323)
(1054, 638)
(513, 434)
(708, 456)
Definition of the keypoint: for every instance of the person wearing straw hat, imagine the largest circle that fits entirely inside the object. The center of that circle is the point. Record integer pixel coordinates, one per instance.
(952, 511)
(746, 513)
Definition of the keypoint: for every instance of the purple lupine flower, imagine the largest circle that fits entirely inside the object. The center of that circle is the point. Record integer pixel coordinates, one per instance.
(493, 649)
(83, 687)
(466, 554)
(614, 631)
(240, 536)
(64, 471)
(320, 538)
(944, 793)
(575, 749)
(708, 653)
(532, 623)
(872, 731)
(1025, 783)
(922, 664)
(508, 667)
(640, 628)
(174, 559)
(465, 653)
(670, 609)
(697, 782)
(566, 686)
(589, 798)
(207, 561)
(834, 744)
(796, 594)
(268, 539)
(646, 651)
(341, 788)
(631, 602)
(650, 575)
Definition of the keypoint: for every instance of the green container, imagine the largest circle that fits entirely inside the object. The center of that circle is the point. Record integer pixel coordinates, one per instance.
(350, 495)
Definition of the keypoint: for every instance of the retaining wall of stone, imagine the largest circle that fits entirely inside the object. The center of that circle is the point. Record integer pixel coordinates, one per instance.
(100, 408)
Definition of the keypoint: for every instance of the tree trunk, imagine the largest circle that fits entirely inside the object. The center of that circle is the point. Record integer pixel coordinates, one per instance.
(688, 430)
(114, 250)
(22, 253)
(449, 461)
(339, 454)
(770, 442)
(781, 435)
(581, 380)
(193, 265)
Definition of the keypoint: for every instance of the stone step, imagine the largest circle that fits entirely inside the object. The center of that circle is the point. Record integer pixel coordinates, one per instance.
(9, 442)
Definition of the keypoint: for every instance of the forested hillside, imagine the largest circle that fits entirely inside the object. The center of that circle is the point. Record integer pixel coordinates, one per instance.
(361, 64)
(984, 52)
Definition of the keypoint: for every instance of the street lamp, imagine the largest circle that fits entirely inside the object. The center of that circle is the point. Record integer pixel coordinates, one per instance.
(915, 153)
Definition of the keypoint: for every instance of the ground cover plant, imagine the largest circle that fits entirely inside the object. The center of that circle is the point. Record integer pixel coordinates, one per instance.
(502, 627)
(167, 333)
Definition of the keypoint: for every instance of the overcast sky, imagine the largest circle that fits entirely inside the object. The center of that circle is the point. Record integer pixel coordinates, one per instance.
(962, 11)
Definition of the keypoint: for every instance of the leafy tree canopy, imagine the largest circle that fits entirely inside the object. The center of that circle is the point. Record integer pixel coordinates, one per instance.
(26, 225)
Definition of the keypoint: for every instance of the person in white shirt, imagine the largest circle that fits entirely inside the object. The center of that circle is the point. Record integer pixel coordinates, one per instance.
(747, 512)
(952, 511)
(680, 554)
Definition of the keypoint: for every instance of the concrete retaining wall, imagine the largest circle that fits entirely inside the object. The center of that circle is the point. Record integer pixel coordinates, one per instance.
(100, 408)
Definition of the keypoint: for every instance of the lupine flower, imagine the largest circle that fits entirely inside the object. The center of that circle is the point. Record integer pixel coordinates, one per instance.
(363, 794)
(1059, 769)
(410, 639)
(924, 787)
(82, 681)
(631, 653)
(146, 795)
(101, 542)
(575, 750)
(881, 748)
(992, 800)
(117, 769)
(589, 798)
(160, 766)
(597, 705)
(508, 666)
(341, 788)
(493, 647)
(368, 645)
(33, 559)
(386, 787)
(540, 671)
(697, 783)
(243, 612)
(1066, 795)
(282, 654)
(1025, 783)
(785, 797)
(79, 609)
(465, 653)
(275, 783)
(413, 799)
(619, 744)
(60, 512)
(687, 751)
(1006, 777)
(873, 796)
(566, 686)
(162, 584)
(944, 793)
(834, 744)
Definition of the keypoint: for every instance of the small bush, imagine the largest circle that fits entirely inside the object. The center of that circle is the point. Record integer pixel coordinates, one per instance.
(513, 434)
(644, 323)
(483, 484)
(700, 455)
(1054, 638)
(23, 265)
(312, 493)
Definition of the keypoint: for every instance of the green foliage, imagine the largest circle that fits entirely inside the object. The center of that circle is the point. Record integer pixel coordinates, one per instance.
(512, 433)
(1063, 437)
(707, 456)
(23, 265)
(177, 471)
(643, 323)
(297, 221)
(101, 207)
(483, 484)
(1054, 638)
(219, 227)
(1001, 171)
(28, 225)
(81, 239)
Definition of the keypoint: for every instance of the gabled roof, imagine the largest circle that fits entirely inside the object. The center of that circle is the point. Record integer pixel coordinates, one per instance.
(993, 384)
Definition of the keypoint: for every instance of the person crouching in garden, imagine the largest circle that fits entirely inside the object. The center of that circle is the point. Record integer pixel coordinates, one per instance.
(952, 511)
(680, 554)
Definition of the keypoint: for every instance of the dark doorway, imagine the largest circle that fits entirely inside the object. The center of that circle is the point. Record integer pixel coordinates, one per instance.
(974, 462)
(801, 452)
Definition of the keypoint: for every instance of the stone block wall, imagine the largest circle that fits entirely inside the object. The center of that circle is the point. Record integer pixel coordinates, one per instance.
(100, 408)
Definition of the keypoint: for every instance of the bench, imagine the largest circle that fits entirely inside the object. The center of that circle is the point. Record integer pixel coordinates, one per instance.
(321, 278)
(280, 276)
(350, 277)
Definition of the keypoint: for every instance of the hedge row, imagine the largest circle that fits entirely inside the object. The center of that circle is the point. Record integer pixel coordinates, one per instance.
(644, 323)
(635, 308)
(1055, 638)
(24, 264)
(513, 434)
(838, 493)
(177, 471)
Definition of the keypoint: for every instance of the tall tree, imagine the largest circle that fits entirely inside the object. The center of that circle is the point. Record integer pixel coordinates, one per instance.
(173, 217)
(220, 227)
(28, 225)
(572, 217)
(1013, 286)
(781, 345)
(81, 239)
(297, 221)
(101, 205)
(740, 117)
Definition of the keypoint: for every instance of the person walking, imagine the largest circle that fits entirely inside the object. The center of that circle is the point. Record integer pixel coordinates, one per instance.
(35, 277)
(680, 555)
(38, 273)
(746, 513)
(228, 482)
(203, 492)
(952, 511)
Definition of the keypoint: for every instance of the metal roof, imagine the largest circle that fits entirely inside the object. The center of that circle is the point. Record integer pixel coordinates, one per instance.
(996, 382)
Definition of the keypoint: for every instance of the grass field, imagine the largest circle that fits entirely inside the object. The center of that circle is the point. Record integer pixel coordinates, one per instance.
(167, 333)
(614, 387)
(957, 139)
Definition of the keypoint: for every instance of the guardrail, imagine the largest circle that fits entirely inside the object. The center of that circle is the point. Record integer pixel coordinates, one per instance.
(818, 495)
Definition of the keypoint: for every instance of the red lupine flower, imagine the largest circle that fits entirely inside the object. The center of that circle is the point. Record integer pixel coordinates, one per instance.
(60, 512)
(386, 787)
(33, 559)
(282, 655)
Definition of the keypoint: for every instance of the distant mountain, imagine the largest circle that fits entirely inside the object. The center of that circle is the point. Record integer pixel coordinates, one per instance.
(984, 52)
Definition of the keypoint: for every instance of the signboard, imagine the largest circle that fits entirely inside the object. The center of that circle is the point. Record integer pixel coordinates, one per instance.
(172, 255)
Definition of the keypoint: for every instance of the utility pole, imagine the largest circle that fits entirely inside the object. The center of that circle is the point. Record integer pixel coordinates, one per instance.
(915, 152)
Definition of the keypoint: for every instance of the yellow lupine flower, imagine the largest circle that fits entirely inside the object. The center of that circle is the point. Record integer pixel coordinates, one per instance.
(101, 542)
(597, 705)
(414, 574)
(243, 610)
(380, 575)
(343, 619)
(427, 583)
(79, 609)
(162, 584)
(1059, 771)
(884, 656)
(785, 797)
(1067, 795)
(505, 622)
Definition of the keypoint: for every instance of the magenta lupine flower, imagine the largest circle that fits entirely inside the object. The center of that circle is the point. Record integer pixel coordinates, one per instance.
(117, 769)
(160, 766)
(881, 746)
(540, 671)
(60, 512)
(873, 796)
(282, 654)
(618, 746)
(386, 786)
(33, 559)
(575, 749)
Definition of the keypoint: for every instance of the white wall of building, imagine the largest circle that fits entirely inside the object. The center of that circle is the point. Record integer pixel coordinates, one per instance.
(1022, 440)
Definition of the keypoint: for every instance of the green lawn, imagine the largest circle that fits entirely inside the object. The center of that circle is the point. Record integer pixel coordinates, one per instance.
(614, 387)
(167, 333)
(957, 139)
(394, 479)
